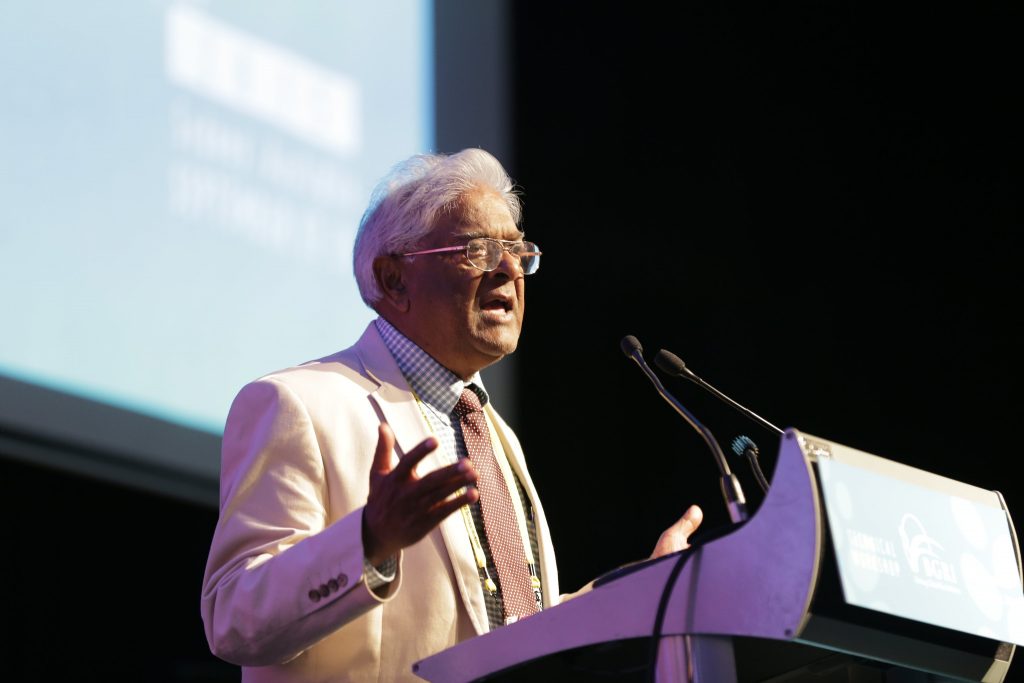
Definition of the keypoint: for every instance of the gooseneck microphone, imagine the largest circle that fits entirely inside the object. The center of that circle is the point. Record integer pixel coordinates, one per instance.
(731, 491)
(671, 364)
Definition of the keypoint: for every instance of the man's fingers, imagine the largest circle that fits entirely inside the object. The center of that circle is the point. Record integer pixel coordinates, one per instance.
(413, 457)
(442, 510)
(677, 536)
(427, 520)
(689, 522)
(442, 483)
(695, 516)
(383, 456)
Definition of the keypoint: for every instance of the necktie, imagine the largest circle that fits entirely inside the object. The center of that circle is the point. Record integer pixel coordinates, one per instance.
(503, 537)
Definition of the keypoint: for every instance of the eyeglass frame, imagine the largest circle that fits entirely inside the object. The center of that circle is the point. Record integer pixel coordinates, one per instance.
(506, 246)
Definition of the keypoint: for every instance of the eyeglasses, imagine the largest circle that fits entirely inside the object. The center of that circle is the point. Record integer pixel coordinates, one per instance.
(485, 253)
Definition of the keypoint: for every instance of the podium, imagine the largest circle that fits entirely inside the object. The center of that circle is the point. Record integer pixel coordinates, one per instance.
(853, 569)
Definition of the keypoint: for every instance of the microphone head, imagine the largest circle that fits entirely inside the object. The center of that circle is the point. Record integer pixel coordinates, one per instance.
(741, 444)
(670, 363)
(631, 345)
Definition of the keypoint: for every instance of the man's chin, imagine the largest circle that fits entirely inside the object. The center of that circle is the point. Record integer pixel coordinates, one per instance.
(497, 347)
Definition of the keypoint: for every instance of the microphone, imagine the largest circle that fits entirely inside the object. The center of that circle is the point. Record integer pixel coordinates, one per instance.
(671, 364)
(744, 447)
(730, 485)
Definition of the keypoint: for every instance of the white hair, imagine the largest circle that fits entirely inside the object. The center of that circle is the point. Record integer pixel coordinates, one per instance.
(406, 204)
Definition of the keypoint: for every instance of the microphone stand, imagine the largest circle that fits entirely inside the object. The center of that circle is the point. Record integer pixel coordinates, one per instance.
(668, 660)
(735, 502)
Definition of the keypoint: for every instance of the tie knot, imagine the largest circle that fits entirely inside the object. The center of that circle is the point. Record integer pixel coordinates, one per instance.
(468, 403)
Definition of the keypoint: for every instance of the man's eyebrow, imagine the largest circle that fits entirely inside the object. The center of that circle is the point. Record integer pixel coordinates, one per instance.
(476, 233)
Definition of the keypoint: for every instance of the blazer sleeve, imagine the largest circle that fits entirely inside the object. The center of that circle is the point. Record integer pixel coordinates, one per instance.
(279, 578)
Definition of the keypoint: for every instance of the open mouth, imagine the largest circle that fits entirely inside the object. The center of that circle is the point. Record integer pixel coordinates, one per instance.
(497, 304)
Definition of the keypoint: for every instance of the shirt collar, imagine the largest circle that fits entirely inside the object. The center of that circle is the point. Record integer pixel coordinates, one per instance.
(433, 383)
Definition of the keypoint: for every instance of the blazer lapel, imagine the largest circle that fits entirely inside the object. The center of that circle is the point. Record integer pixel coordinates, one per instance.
(398, 406)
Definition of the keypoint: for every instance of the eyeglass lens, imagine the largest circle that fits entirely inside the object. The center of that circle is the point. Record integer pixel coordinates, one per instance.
(486, 254)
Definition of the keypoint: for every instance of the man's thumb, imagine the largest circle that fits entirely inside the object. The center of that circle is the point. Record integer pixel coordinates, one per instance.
(384, 455)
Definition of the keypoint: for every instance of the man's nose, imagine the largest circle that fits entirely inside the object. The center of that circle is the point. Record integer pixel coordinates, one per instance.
(510, 264)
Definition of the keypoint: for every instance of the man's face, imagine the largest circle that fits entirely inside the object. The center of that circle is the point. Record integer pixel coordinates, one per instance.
(464, 317)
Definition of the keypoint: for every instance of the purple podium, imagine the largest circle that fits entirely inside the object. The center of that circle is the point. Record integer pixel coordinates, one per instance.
(833, 579)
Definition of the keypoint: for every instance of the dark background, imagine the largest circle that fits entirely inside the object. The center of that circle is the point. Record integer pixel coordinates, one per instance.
(815, 205)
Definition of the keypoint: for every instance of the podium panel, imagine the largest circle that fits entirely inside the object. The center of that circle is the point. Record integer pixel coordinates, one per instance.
(818, 585)
(918, 545)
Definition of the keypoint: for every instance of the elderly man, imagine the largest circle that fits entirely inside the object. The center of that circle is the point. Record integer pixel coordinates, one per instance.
(375, 509)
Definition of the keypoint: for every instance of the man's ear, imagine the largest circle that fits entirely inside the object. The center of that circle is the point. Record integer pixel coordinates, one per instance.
(388, 272)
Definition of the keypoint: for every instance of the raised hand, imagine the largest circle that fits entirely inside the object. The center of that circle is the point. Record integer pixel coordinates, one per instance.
(403, 507)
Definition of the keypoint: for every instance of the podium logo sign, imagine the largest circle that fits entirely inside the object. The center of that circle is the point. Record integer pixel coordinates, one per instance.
(906, 544)
(924, 555)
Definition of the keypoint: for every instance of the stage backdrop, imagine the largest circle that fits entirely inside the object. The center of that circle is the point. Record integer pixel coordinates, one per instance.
(180, 187)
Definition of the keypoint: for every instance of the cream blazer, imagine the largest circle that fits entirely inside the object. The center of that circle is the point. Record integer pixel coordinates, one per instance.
(284, 594)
